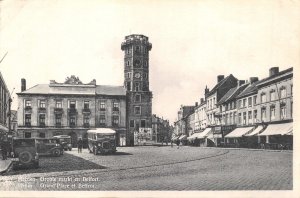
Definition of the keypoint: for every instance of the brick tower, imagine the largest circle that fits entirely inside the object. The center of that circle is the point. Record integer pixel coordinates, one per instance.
(136, 82)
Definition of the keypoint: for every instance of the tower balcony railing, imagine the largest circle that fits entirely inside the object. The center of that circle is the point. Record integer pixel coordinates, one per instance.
(72, 111)
(86, 111)
(58, 110)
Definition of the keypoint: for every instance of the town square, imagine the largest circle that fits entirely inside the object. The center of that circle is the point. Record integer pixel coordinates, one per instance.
(168, 96)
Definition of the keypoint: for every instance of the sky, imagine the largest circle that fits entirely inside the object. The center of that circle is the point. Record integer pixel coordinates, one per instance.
(193, 42)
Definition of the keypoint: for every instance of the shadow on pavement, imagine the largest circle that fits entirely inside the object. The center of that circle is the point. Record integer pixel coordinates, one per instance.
(65, 162)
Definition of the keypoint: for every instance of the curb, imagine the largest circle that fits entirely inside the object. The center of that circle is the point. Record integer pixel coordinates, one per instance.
(248, 149)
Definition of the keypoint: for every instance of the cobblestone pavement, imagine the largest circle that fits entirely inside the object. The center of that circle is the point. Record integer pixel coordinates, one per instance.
(166, 168)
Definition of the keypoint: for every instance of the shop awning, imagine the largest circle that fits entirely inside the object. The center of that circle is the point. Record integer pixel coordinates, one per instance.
(182, 137)
(278, 129)
(289, 133)
(193, 136)
(238, 132)
(204, 133)
(255, 131)
(174, 138)
(3, 129)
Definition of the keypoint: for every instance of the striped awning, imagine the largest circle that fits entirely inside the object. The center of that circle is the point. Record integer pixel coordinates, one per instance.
(193, 136)
(255, 131)
(278, 129)
(204, 133)
(239, 132)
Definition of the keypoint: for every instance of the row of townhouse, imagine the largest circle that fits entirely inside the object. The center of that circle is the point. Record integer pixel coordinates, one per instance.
(4, 107)
(243, 113)
(161, 129)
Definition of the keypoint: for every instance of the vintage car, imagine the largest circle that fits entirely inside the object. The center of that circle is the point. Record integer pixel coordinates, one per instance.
(101, 140)
(24, 152)
(65, 141)
(49, 146)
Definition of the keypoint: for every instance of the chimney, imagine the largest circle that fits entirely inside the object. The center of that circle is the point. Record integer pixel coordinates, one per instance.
(273, 71)
(240, 82)
(206, 90)
(220, 77)
(253, 80)
(23, 84)
(196, 104)
(201, 100)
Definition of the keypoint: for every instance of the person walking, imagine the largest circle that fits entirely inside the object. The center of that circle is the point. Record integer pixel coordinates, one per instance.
(178, 143)
(79, 145)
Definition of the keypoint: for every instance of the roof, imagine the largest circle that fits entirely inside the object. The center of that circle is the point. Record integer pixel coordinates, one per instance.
(275, 75)
(110, 90)
(219, 84)
(75, 90)
(232, 93)
(251, 89)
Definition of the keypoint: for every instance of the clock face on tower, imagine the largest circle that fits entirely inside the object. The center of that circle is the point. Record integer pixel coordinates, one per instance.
(137, 75)
(137, 63)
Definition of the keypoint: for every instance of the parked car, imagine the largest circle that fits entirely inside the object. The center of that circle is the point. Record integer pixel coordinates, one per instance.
(49, 146)
(24, 152)
(65, 141)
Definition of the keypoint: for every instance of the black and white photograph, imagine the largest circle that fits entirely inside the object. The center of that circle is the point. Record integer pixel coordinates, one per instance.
(149, 98)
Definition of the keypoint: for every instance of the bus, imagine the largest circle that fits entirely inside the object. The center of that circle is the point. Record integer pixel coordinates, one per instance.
(101, 140)
(65, 141)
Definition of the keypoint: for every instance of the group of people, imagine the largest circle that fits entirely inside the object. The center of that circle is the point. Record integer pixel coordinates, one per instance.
(177, 141)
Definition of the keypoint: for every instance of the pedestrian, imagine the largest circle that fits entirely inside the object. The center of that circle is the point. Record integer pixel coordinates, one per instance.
(178, 143)
(80, 144)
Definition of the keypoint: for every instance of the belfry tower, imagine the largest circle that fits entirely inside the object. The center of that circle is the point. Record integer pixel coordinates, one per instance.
(136, 82)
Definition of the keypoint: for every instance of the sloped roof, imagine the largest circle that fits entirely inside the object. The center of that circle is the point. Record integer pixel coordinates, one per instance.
(232, 93)
(110, 90)
(75, 90)
(251, 89)
(219, 84)
(275, 75)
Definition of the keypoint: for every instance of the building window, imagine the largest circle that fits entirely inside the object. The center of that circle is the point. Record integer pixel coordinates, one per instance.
(102, 120)
(27, 104)
(58, 120)
(272, 95)
(137, 48)
(214, 102)
(291, 90)
(263, 97)
(86, 104)
(42, 104)
(255, 115)
(244, 102)
(138, 98)
(292, 109)
(143, 123)
(128, 85)
(128, 75)
(263, 114)
(72, 121)
(231, 119)
(254, 100)
(145, 76)
(42, 135)
(240, 104)
(27, 134)
(272, 111)
(58, 104)
(249, 116)
(115, 106)
(131, 123)
(86, 121)
(146, 63)
(72, 104)
(283, 111)
(136, 86)
(128, 63)
(115, 120)
(42, 120)
(28, 120)
(244, 117)
(250, 102)
(240, 118)
(102, 105)
(137, 110)
(282, 92)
